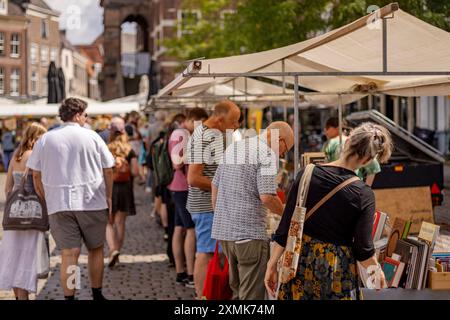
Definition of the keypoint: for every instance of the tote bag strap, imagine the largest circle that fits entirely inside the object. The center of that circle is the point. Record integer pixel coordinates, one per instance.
(303, 186)
(329, 195)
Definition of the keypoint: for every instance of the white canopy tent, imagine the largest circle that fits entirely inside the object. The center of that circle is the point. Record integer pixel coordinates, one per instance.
(388, 51)
(40, 110)
(355, 48)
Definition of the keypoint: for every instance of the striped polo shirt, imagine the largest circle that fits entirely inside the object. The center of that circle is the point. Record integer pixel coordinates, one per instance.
(206, 146)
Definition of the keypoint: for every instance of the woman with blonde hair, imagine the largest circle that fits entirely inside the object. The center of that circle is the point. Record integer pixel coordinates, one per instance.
(338, 233)
(18, 250)
(122, 199)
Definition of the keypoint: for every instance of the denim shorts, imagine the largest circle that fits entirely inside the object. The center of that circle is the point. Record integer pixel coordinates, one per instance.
(203, 227)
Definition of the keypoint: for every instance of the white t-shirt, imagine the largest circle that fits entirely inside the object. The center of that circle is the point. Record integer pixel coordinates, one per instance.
(71, 160)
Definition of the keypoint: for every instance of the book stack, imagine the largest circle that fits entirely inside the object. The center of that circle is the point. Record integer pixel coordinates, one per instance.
(415, 253)
(441, 261)
(393, 270)
(379, 224)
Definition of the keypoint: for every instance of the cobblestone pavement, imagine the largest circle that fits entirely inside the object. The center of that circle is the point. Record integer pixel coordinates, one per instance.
(143, 271)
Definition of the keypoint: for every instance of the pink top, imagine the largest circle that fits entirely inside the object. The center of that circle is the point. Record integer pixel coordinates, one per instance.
(177, 145)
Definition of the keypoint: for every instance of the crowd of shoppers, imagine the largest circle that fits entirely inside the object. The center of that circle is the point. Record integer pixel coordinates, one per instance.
(207, 189)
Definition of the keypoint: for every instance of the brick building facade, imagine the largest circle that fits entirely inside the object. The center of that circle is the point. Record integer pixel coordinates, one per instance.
(13, 48)
(29, 41)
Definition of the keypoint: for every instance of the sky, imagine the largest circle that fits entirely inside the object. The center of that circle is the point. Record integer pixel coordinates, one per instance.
(83, 19)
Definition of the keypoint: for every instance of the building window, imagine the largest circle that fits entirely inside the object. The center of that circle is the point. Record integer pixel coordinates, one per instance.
(15, 45)
(34, 53)
(44, 55)
(44, 29)
(54, 55)
(3, 7)
(34, 82)
(15, 82)
(2, 80)
(187, 20)
(2, 43)
(44, 87)
(157, 42)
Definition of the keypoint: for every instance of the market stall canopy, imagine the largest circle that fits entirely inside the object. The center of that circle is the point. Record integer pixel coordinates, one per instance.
(40, 110)
(249, 91)
(413, 46)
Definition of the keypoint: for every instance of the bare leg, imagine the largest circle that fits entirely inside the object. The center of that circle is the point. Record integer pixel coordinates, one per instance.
(119, 221)
(157, 208)
(111, 237)
(200, 267)
(20, 294)
(69, 269)
(164, 215)
(95, 266)
(189, 250)
(177, 248)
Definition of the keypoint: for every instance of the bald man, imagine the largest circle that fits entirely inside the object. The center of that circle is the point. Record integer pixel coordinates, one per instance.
(243, 187)
(204, 151)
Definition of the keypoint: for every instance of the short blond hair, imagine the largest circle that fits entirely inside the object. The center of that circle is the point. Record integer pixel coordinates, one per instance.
(369, 140)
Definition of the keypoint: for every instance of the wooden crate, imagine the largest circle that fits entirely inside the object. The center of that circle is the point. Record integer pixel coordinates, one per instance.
(439, 280)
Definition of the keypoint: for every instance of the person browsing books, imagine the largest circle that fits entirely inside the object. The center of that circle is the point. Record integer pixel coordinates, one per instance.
(339, 233)
(332, 150)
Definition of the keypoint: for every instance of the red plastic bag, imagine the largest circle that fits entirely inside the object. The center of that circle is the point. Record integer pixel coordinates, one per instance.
(217, 286)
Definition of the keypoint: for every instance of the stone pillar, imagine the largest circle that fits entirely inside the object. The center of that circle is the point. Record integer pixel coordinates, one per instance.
(112, 44)
(383, 103)
(396, 109)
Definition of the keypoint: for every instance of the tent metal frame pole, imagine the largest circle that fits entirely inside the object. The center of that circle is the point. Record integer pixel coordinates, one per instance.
(317, 74)
(245, 88)
(340, 122)
(296, 127)
(384, 31)
(283, 69)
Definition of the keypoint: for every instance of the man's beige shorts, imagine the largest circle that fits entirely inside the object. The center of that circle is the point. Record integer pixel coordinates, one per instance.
(69, 228)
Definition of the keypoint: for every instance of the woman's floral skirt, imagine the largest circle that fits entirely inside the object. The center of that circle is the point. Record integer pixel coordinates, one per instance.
(325, 272)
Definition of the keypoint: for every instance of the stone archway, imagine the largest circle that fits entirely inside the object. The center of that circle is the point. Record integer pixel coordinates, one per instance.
(116, 12)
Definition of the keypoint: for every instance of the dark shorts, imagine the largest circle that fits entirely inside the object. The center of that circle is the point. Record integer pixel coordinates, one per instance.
(164, 193)
(123, 198)
(70, 228)
(182, 216)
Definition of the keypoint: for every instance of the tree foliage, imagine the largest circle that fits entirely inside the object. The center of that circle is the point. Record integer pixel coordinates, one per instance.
(258, 25)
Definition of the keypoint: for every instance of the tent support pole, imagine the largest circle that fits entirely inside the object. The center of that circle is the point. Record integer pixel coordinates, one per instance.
(246, 93)
(296, 127)
(340, 123)
(384, 44)
(283, 70)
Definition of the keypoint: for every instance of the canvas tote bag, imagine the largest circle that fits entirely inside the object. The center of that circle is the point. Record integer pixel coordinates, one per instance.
(293, 247)
(24, 210)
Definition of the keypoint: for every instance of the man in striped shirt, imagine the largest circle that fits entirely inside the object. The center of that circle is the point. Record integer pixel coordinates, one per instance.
(205, 149)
